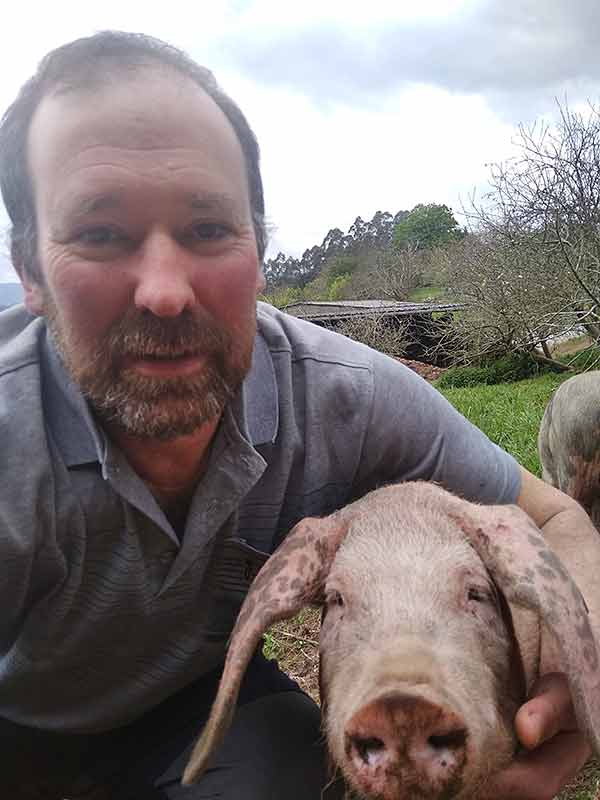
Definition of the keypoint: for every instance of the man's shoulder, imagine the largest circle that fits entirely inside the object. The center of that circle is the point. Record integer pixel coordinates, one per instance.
(21, 412)
(19, 340)
(302, 339)
(306, 341)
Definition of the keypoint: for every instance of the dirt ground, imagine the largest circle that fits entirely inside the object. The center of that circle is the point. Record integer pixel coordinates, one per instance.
(427, 371)
(295, 644)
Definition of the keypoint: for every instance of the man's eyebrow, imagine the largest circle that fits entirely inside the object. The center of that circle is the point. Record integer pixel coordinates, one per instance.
(208, 201)
(83, 205)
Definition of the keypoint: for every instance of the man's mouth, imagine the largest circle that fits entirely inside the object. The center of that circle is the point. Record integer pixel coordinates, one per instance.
(161, 356)
(164, 365)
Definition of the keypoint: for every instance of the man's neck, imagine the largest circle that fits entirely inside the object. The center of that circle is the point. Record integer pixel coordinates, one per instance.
(169, 467)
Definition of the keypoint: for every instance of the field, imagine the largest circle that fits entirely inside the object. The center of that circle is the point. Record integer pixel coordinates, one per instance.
(510, 415)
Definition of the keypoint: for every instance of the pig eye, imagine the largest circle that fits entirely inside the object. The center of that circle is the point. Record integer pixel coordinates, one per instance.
(477, 594)
(335, 599)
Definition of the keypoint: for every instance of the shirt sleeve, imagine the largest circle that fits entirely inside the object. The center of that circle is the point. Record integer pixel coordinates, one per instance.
(414, 433)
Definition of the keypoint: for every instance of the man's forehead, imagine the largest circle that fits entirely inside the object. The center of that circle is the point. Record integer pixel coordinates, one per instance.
(173, 127)
(146, 109)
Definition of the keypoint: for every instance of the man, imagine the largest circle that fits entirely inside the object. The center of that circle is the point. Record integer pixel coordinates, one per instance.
(156, 445)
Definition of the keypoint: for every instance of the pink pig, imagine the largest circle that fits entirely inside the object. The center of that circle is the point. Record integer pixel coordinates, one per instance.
(430, 640)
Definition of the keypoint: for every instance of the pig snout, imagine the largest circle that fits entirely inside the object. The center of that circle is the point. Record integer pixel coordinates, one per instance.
(400, 744)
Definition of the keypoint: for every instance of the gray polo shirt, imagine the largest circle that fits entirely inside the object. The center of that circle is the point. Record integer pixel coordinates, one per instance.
(105, 612)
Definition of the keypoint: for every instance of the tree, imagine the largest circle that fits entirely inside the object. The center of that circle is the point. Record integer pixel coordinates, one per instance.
(376, 331)
(504, 311)
(390, 275)
(356, 248)
(427, 226)
(280, 271)
(531, 272)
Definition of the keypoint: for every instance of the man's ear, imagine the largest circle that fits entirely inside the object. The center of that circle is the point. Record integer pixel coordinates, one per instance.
(34, 290)
(33, 299)
(260, 281)
(34, 293)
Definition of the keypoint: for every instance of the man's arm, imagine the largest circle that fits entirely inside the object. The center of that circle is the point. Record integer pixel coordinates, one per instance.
(546, 724)
(571, 534)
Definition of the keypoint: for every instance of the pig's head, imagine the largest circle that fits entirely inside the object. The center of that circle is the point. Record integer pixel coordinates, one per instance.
(421, 671)
(420, 675)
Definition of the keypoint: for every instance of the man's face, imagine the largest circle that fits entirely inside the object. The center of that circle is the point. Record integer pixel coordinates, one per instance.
(146, 249)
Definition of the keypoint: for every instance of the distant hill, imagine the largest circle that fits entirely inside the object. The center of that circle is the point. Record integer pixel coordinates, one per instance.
(10, 293)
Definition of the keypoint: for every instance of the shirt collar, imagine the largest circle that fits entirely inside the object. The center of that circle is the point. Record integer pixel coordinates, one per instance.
(81, 441)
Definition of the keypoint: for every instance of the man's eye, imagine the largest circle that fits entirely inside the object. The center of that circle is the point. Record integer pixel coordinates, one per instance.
(209, 231)
(99, 236)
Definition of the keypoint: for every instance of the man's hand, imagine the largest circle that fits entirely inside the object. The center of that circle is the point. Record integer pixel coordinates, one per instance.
(554, 751)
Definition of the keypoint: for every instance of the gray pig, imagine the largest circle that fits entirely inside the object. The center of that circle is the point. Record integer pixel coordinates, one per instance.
(430, 638)
(569, 441)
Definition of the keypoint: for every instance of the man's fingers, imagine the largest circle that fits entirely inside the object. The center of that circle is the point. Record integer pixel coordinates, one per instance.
(548, 712)
(541, 774)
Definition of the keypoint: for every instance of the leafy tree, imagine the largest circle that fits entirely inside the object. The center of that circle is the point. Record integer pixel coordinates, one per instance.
(427, 226)
(334, 243)
(337, 286)
(283, 296)
(341, 265)
(280, 271)
(343, 252)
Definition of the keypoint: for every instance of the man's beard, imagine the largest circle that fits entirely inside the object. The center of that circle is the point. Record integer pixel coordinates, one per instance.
(155, 407)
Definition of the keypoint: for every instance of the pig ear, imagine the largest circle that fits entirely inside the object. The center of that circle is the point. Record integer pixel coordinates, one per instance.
(531, 576)
(293, 577)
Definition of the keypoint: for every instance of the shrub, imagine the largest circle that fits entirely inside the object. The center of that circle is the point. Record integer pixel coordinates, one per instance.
(582, 361)
(509, 368)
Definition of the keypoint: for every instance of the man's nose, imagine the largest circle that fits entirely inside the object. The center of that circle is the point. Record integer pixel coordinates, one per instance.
(164, 278)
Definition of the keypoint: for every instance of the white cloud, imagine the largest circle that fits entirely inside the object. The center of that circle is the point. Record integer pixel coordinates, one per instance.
(324, 168)
(342, 131)
(270, 14)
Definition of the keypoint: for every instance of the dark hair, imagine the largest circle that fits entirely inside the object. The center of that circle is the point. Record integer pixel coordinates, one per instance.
(82, 65)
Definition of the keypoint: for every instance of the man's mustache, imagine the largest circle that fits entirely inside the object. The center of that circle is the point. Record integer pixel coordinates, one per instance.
(139, 335)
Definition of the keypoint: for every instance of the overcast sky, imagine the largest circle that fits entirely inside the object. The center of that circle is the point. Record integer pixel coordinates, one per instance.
(358, 106)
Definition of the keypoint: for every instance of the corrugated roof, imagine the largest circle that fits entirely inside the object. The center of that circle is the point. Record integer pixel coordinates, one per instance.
(325, 309)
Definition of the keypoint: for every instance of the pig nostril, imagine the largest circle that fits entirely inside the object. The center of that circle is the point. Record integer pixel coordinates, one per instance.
(368, 749)
(451, 741)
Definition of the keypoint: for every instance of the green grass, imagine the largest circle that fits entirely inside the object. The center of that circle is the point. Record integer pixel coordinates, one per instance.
(279, 639)
(424, 293)
(586, 785)
(509, 413)
(586, 359)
